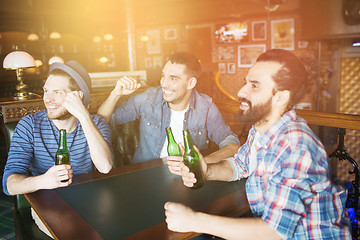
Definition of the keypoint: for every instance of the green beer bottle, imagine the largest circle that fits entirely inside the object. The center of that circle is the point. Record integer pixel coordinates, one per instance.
(192, 160)
(172, 148)
(62, 155)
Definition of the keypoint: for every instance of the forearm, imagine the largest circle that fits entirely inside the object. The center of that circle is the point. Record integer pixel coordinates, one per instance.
(233, 228)
(225, 152)
(107, 108)
(221, 171)
(21, 184)
(100, 151)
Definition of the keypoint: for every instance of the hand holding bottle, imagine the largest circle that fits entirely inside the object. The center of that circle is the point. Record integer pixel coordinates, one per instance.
(193, 159)
(57, 176)
(188, 177)
(173, 162)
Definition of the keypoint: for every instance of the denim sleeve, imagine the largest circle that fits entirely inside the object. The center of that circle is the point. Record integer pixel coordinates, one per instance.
(130, 109)
(218, 130)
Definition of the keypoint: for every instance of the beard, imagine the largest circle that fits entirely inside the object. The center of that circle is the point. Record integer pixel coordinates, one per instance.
(61, 115)
(257, 114)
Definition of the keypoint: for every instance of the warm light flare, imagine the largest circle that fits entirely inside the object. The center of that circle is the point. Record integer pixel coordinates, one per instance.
(103, 59)
(38, 63)
(108, 37)
(55, 35)
(33, 37)
(97, 39)
(144, 38)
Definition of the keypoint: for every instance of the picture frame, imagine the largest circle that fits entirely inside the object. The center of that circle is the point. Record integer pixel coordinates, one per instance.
(225, 53)
(231, 68)
(153, 44)
(247, 54)
(283, 34)
(170, 34)
(148, 62)
(258, 29)
(222, 68)
(157, 61)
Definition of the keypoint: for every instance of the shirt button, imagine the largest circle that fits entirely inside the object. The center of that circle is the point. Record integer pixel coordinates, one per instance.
(148, 123)
(199, 133)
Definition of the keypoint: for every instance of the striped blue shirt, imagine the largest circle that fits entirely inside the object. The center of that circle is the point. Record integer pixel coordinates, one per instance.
(290, 188)
(36, 140)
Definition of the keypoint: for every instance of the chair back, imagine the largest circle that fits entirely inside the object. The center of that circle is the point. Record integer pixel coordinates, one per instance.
(20, 200)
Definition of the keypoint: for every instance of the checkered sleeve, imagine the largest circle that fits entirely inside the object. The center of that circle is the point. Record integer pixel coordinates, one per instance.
(300, 198)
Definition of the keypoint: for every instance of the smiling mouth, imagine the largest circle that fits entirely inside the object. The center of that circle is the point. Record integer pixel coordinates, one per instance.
(244, 105)
(52, 107)
(167, 92)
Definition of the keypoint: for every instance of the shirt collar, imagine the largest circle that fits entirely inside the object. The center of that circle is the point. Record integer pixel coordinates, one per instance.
(266, 138)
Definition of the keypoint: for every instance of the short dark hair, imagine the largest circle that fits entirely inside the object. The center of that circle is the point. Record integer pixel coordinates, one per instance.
(192, 64)
(292, 76)
(72, 83)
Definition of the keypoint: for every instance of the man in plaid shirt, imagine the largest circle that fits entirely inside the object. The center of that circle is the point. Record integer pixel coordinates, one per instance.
(289, 189)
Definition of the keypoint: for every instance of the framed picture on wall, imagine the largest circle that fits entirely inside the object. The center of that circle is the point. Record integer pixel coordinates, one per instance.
(153, 44)
(283, 34)
(225, 53)
(258, 29)
(170, 34)
(222, 68)
(231, 69)
(247, 54)
(148, 62)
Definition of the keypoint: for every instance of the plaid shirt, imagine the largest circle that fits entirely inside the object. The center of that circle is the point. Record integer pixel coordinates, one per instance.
(290, 188)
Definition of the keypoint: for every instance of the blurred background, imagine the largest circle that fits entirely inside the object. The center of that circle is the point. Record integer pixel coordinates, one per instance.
(226, 35)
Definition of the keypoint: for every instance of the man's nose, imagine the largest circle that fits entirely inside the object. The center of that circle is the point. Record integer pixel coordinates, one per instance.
(243, 92)
(165, 82)
(48, 97)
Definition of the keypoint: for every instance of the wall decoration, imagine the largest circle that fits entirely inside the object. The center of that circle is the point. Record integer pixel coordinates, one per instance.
(231, 32)
(283, 34)
(148, 62)
(247, 54)
(231, 69)
(258, 30)
(170, 34)
(153, 44)
(139, 42)
(224, 53)
(222, 68)
(157, 61)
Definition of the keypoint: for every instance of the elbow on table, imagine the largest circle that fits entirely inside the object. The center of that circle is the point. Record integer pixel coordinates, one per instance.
(106, 167)
(105, 170)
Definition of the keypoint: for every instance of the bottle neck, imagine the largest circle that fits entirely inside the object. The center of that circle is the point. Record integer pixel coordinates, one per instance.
(62, 141)
(187, 141)
(170, 135)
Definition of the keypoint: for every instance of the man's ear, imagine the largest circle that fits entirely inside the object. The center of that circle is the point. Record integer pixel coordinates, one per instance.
(281, 98)
(192, 82)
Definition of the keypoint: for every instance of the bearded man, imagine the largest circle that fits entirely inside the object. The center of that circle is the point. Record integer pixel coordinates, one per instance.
(36, 137)
(288, 187)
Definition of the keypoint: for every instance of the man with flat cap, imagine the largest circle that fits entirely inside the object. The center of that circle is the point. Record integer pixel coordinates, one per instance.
(36, 137)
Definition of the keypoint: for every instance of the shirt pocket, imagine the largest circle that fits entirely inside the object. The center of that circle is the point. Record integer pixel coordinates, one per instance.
(199, 137)
(150, 127)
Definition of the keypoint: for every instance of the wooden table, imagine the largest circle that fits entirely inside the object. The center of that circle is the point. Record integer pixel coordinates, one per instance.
(128, 203)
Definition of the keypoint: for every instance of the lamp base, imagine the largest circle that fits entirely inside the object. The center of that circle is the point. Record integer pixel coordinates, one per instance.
(19, 96)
